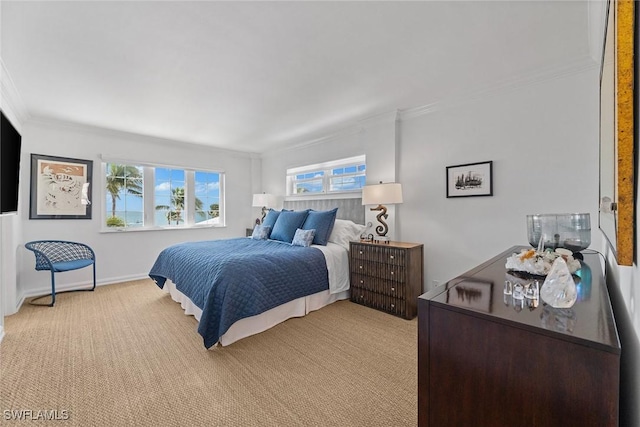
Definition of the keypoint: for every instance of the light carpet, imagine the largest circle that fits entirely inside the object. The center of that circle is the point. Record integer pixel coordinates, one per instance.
(127, 355)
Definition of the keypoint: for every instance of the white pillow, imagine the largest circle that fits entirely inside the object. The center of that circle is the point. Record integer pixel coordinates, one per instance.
(345, 231)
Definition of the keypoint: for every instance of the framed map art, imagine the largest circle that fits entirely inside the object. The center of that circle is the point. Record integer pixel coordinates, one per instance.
(60, 188)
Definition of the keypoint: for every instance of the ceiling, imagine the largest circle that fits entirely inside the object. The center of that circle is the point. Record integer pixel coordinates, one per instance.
(253, 76)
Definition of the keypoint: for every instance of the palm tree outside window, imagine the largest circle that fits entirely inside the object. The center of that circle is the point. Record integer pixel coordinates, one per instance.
(148, 197)
(124, 192)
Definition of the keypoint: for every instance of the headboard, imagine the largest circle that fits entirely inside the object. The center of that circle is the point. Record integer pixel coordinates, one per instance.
(351, 209)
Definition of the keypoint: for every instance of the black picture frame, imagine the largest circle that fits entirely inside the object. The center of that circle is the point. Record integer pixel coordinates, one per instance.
(470, 180)
(57, 184)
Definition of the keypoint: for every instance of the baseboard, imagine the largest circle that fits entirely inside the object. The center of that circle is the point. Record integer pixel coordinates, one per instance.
(78, 285)
(1, 333)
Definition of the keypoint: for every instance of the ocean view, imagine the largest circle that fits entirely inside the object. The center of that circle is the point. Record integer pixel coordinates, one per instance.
(135, 219)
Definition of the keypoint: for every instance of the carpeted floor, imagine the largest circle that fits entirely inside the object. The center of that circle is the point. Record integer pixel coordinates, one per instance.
(126, 355)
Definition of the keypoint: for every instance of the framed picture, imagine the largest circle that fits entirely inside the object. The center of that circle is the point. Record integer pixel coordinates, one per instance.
(471, 179)
(60, 188)
(474, 294)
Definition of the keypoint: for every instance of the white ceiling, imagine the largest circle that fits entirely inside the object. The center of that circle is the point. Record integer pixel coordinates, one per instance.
(252, 76)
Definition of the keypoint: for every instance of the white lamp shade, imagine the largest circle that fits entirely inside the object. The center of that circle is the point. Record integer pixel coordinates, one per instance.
(263, 200)
(382, 194)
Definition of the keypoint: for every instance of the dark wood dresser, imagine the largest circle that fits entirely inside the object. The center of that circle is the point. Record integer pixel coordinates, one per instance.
(387, 276)
(486, 359)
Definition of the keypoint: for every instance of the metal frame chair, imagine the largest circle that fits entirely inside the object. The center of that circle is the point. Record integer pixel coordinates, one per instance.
(59, 256)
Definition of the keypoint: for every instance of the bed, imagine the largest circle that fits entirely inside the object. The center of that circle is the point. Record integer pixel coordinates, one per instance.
(239, 287)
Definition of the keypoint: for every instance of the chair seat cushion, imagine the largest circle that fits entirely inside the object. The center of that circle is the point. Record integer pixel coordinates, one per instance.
(72, 265)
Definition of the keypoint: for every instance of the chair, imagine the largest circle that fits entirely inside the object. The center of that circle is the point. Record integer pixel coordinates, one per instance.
(58, 256)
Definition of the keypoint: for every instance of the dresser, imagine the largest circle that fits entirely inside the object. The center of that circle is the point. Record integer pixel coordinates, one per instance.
(487, 359)
(387, 276)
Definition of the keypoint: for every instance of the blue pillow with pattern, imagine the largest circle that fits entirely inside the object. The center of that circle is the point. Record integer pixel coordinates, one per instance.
(303, 237)
(322, 222)
(261, 232)
(287, 224)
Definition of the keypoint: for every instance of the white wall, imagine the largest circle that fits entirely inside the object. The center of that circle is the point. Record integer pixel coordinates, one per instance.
(544, 150)
(123, 255)
(10, 227)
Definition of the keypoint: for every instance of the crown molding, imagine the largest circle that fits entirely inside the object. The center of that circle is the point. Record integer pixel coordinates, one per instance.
(12, 102)
(340, 133)
(358, 127)
(542, 75)
(382, 118)
(115, 133)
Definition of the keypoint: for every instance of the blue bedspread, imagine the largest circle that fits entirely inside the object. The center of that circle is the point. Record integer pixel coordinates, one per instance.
(237, 278)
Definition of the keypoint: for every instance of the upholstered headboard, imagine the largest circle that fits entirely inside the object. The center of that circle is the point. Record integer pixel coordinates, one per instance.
(351, 209)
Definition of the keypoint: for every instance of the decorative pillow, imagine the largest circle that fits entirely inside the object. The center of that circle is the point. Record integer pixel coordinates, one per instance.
(303, 237)
(345, 231)
(261, 232)
(270, 218)
(322, 222)
(286, 225)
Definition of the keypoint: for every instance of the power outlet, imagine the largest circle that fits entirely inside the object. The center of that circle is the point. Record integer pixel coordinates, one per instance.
(435, 283)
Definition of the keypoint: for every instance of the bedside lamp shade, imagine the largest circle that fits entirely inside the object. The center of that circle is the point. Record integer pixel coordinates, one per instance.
(382, 194)
(263, 201)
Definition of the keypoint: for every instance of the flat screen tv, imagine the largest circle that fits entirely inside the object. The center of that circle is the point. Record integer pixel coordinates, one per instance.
(10, 146)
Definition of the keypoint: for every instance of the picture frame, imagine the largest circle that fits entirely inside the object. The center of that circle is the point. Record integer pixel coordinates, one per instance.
(60, 187)
(474, 294)
(470, 179)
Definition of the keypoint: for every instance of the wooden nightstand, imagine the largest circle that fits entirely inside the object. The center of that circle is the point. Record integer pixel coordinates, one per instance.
(387, 276)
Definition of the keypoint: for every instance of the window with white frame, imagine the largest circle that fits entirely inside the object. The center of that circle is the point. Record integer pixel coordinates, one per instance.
(339, 176)
(150, 197)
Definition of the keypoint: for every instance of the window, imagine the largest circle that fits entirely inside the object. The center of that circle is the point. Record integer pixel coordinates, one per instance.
(148, 197)
(124, 195)
(340, 176)
(168, 196)
(207, 191)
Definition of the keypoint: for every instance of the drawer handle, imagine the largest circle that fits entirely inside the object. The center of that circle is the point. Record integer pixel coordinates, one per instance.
(360, 267)
(392, 273)
(393, 306)
(391, 257)
(361, 281)
(393, 289)
(360, 252)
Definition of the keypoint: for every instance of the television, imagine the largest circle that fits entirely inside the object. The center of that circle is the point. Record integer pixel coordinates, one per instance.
(10, 146)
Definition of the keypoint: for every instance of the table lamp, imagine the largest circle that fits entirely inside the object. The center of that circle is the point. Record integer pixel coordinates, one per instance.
(263, 201)
(382, 194)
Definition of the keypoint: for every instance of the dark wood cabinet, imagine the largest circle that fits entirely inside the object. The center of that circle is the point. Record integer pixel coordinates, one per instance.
(485, 359)
(387, 276)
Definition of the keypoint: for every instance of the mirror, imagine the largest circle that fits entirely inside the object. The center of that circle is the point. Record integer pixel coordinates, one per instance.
(616, 217)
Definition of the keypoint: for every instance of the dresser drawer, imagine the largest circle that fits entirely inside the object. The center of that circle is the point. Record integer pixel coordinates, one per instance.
(377, 285)
(380, 254)
(378, 301)
(391, 272)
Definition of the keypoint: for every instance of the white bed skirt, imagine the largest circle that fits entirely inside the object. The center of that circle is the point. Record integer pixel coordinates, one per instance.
(261, 322)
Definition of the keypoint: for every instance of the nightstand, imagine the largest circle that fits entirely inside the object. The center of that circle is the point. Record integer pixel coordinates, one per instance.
(387, 276)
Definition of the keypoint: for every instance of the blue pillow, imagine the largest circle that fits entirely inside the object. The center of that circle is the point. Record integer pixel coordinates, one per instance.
(271, 218)
(287, 224)
(322, 222)
(303, 237)
(261, 232)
